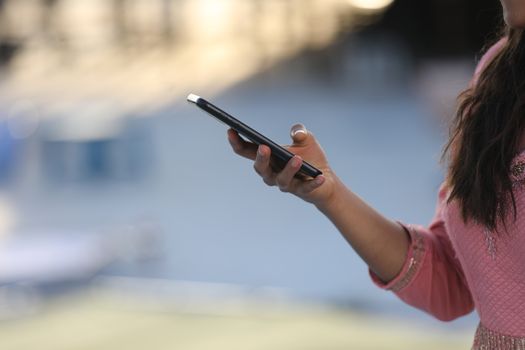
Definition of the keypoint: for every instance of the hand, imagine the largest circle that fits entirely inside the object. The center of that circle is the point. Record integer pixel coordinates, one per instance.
(318, 191)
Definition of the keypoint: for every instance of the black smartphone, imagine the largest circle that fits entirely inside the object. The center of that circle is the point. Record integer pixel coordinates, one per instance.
(280, 155)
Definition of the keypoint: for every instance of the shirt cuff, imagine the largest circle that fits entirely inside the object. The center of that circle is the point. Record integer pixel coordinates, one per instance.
(413, 261)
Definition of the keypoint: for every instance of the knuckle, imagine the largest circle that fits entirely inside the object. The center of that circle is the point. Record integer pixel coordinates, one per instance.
(283, 186)
(268, 181)
(279, 181)
(257, 169)
(312, 188)
(306, 190)
(237, 148)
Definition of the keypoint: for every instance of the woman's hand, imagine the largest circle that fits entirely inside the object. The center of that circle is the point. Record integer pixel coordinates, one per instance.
(382, 243)
(318, 191)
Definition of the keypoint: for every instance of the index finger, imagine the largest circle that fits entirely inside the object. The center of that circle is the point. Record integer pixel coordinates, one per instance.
(243, 148)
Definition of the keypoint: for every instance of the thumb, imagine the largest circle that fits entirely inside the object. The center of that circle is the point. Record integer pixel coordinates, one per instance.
(300, 136)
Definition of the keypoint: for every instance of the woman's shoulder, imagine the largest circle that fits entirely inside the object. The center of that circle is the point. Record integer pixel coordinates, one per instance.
(488, 56)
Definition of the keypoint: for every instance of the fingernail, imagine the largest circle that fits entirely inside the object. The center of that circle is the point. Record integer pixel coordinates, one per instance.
(296, 162)
(319, 180)
(261, 151)
(298, 131)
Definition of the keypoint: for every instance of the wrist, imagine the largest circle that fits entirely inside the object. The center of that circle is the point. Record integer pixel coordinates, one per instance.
(330, 202)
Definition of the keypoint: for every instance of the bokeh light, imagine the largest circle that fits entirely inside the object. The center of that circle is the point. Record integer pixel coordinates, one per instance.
(372, 5)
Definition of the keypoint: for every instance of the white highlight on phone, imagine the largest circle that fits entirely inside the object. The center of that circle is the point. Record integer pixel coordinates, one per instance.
(193, 98)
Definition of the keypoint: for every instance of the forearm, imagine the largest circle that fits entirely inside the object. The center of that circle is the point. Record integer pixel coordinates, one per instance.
(383, 244)
(380, 242)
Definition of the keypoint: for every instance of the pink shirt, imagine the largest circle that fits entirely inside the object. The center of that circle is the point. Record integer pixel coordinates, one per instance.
(453, 268)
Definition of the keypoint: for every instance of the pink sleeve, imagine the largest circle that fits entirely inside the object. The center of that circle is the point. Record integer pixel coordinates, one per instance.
(431, 278)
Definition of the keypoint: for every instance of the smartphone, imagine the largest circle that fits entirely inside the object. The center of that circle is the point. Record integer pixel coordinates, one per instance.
(280, 155)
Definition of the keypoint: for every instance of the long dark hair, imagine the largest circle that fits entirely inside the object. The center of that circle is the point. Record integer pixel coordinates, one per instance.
(485, 135)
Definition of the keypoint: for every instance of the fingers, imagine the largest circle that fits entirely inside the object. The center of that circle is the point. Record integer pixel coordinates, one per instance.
(241, 147)
(300, 135)
(285, 179)
(262, 165)
(307, 187)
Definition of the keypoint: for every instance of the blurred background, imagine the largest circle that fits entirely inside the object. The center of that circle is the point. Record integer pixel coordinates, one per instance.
(127, 222)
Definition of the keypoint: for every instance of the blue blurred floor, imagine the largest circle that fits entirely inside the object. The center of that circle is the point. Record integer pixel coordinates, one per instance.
(221, 223)
(227, 226)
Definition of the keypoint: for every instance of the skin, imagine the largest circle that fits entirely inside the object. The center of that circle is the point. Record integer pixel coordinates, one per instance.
(514, 13)
(381, 242)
